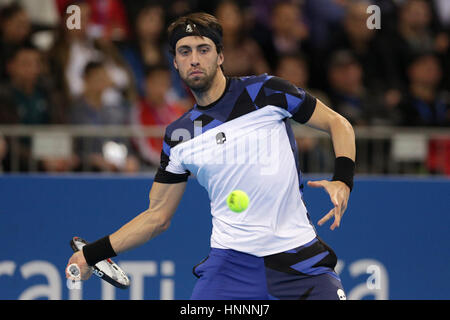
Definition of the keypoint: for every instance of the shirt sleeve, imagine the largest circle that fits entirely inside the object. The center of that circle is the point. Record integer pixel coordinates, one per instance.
(296, 101)
(171, 169)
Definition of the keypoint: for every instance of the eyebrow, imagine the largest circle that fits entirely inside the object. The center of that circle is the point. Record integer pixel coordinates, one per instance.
(198, 46)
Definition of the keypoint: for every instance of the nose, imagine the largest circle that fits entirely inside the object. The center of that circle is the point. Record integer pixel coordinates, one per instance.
(194, 59)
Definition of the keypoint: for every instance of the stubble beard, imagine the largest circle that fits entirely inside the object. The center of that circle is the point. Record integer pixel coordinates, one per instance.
(201, 84)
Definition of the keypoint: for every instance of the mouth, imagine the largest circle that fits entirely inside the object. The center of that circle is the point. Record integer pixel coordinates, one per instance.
(195, 73)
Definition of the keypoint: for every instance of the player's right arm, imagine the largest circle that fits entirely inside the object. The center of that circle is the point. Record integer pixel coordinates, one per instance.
(165, 195)
(164, 200)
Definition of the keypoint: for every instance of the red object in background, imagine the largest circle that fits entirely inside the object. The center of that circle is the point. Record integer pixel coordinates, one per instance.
(107, 13)
(147, 115)
(438, 159)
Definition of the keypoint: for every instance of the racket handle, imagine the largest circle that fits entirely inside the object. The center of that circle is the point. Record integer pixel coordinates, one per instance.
(74, 271)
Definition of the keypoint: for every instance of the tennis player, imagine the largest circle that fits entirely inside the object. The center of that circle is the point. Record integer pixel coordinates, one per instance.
(271, 250)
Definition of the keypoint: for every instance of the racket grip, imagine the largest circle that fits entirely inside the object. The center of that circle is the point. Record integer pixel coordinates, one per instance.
(74, 271)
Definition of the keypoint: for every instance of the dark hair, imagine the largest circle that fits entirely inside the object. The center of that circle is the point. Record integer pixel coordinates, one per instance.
(91, 66)
(297, 56)
(9, 11)
(200, 21)
(414, 57)
(149, 70)
(12, 52)
(342, 58)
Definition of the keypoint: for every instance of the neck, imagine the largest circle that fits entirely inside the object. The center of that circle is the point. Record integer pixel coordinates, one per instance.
(424, 92)
(94, 99)
(408, 31)
(213, 93)
(25, 86)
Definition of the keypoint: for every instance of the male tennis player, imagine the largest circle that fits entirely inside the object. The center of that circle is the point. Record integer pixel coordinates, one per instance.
(271, 250)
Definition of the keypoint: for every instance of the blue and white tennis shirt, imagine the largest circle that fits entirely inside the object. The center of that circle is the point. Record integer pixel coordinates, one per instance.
(244, 141)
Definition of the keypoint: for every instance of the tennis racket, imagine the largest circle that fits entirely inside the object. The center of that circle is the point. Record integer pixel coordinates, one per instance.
(105, 269)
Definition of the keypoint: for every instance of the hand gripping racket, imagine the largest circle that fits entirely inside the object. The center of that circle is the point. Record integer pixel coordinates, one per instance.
(105, 269)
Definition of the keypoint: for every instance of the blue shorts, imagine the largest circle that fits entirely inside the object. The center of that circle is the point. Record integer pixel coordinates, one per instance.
(304, 273)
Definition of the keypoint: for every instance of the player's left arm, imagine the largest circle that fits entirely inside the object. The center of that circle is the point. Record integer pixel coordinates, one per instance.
(343, 139)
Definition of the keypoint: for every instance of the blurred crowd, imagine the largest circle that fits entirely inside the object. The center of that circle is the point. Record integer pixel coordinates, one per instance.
(115, 67)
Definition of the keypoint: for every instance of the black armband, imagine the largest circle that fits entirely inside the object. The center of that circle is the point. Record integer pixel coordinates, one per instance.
(344, 170)
(98, 251)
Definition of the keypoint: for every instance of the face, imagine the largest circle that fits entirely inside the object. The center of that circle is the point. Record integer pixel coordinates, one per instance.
(150, 22)
(355, 23)
(230, 17)
(26, 66)
(285, 17)
(426, 71)
(416, 14)
(156, 85)
(97, 80)
(294, 71)
(17, 27)
(346, 78)
(197, 62)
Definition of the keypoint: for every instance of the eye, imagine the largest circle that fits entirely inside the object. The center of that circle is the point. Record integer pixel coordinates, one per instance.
(184, 52)
(204, 50)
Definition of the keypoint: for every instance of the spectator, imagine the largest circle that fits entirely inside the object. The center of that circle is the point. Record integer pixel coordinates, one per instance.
(147, 48)
(288, 33)
(101, 154)
(369, 49)
(74, 48)
(15, 31)
(294, 68)
(323, 16)
(155, 109)
(27, 99)
(348, 95)
(424, 103)
(414, 34)
(244, 56)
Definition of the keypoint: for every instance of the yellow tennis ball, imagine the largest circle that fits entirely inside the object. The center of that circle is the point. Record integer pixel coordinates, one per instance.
(237, 201)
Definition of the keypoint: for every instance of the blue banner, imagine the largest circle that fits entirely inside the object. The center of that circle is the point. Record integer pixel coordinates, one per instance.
(393, 242)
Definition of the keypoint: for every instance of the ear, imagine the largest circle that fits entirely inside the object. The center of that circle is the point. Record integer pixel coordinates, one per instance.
(220, 58)
(175, 64)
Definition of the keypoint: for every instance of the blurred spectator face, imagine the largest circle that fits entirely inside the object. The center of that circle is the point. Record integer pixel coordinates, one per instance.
(356, 22)
(230, 17)
(97, 80)
(293, 70)
(16, 27)
(156, 85)
(415, 14)
(285, 18)
(150, 22)
(25, 67)
(346, 78)
(425, 71)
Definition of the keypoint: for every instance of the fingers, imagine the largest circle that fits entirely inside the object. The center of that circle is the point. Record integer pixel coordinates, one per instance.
(317, 184)
(84, 270)
(327, 217)
(337, 212)
(337, 219)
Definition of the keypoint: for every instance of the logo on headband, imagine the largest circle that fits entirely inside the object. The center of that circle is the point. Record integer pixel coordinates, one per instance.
(189, 28)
